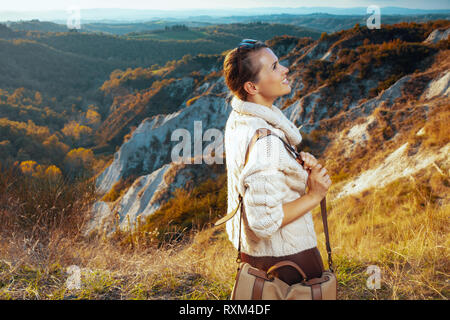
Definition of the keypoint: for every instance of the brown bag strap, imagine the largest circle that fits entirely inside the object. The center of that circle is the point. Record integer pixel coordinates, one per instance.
(258, 287)
(287, 263)
(323, 210)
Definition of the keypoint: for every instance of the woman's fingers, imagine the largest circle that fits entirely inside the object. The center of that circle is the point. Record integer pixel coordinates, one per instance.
(327, 180)
(304, 158)
(309, 160)
(317, 167)
(321, 174)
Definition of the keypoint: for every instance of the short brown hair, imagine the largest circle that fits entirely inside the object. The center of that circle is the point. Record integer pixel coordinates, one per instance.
(235, 78)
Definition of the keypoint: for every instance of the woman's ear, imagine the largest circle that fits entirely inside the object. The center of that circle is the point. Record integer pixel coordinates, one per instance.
(250, 87)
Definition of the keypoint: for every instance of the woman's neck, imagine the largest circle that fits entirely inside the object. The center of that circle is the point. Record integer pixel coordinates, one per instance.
(261, 100)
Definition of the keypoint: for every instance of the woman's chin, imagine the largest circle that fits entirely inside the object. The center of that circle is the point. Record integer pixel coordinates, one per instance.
(288, 89)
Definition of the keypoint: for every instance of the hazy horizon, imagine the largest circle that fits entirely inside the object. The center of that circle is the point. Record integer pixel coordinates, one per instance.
(139, 11)
(174, 5)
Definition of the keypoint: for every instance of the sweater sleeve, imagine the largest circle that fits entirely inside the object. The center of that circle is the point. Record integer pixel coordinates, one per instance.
(264, 186)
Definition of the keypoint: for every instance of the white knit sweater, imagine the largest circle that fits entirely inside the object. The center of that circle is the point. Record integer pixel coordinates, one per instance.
(270, 178)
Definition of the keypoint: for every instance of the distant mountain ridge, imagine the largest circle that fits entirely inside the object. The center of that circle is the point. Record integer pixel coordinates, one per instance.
(319, 21)
(91, 15)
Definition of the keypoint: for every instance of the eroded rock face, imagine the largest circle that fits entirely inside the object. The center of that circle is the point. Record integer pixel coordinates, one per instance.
(149, 154)
(397, 165)
(148, 193)
(150, 145)
(101, 219)
(142, 197)
(438, 35)
(439, 86)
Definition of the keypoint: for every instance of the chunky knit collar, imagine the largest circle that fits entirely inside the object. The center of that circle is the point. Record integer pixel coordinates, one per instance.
(273, 116)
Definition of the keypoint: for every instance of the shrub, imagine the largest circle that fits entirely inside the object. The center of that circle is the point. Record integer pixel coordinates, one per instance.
(36, 204)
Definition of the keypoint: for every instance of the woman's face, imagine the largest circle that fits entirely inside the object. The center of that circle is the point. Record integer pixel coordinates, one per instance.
(272, 76)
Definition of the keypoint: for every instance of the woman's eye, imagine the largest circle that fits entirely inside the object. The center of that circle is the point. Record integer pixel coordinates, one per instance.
(275, 66)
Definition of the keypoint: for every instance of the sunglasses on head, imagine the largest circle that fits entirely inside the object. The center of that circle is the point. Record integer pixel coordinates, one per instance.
(247, 43)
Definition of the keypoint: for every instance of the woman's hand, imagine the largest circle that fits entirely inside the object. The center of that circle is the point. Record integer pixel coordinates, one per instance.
(309, 161)
(318, 182)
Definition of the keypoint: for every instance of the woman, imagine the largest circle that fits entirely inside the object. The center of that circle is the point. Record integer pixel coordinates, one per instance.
(277, 224)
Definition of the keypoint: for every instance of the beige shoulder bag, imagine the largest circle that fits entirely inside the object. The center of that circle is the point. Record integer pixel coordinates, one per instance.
(255, 284)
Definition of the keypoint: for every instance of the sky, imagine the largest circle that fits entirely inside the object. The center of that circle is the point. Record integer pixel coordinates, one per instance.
(46, 5)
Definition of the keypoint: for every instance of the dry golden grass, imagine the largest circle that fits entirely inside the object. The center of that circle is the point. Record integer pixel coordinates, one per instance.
(192, 270)
(402, 229)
